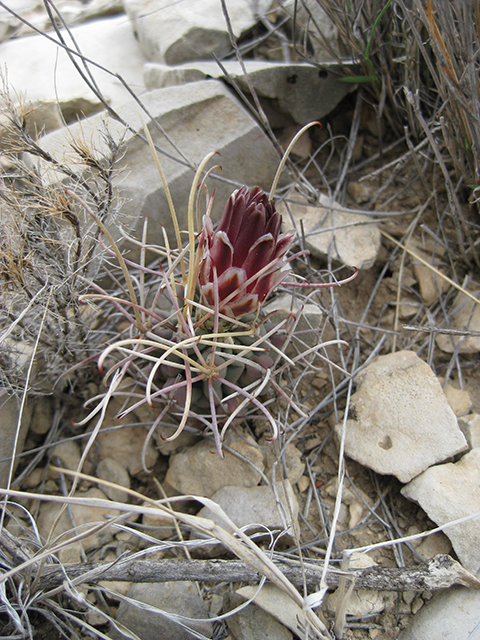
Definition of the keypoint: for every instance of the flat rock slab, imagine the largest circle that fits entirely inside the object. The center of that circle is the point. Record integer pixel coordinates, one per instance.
(179, 598)
(300, 91)
(257, 506)
(200, 471)
(449, 492)
(352, 238)
(42, 70)
(175, 32)
(402, 421)
(453, 613)
(199, 118)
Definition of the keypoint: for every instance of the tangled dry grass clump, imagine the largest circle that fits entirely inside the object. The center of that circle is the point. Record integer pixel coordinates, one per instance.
(185, 329)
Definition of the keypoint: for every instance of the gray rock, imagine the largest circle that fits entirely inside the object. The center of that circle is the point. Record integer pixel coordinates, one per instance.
(175, 32)
(252, 622)
(83, 516)
(111, 470)
(354, 238)
(449, 492)
(310, 319)
(180, 598)
(199, 118)
(321, 32)
(257, 505)
(68, 454)
(465, 314)
(200, 471)
(297, 90)
(278, 604)
(294, 467)
(453, 613)
(402, 422)
(43, 71)
(12, 434)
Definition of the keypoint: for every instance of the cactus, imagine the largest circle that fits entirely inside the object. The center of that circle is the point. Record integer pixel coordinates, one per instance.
(199, 344)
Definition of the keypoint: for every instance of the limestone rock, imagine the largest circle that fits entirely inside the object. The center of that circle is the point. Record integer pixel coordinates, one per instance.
(458, 399)
(452, 613)
(198, 118)
(200, 471)
(465, 314)
(123, 445)
(68, 454)
(252, 622)
(180, 598)
(320, 30)
(257, 505)
(354, 237)
(111, 470)
(46, 73)
(470, 425)
(449, 492)
(278, 604)
(82, 515)
(175, 32)
(402, 423)
(294, 466)
(298, 90)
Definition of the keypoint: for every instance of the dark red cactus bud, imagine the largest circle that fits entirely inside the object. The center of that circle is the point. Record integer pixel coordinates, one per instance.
(244, 258)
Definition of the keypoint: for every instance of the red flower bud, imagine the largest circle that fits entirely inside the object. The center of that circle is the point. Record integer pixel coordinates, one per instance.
(244, 258)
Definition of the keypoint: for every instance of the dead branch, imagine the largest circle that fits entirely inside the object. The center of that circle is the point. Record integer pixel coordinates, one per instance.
(440, 572)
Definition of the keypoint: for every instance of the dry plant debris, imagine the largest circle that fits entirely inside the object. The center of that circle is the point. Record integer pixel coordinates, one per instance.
(403, 151)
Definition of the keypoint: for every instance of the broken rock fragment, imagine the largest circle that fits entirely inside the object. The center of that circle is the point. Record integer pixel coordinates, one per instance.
(401, 422)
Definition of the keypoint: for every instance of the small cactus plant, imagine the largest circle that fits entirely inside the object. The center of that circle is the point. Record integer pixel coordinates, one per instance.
(199, 344)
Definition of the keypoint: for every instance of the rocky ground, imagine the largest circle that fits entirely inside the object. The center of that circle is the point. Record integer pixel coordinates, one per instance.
(376, 468)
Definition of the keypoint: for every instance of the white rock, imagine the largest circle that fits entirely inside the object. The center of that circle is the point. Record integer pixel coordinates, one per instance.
(43, 71)
(181, 598)
(402, 422)
(12, 434)
(453, 613)
(199, 118)
(470, 425)
(200, 471)
(449, 492)
(465, 314)
(111, 470)
(257, 506)
(174, 32)
(353, 237)
(298, 90)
